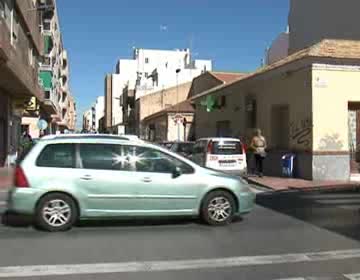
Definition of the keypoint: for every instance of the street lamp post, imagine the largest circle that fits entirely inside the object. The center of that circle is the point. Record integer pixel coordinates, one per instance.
(177, 102)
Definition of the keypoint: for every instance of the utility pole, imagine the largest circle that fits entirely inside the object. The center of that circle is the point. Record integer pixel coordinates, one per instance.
(177, 102)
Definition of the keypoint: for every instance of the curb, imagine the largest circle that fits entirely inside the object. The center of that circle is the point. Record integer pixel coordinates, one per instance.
(268, 190)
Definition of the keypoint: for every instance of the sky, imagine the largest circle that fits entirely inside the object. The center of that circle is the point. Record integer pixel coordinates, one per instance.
(232, 33)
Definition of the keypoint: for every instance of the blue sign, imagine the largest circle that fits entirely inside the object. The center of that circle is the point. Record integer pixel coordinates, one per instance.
(42, 124)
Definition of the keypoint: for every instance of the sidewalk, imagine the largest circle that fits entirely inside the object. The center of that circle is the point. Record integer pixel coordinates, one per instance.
(287, 184)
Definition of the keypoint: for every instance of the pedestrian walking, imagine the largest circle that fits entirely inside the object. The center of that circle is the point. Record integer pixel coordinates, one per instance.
(26, 144)
(259, 145)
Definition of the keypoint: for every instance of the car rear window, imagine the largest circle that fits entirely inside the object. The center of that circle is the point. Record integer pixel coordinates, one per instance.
(226, 148)
(57, 155)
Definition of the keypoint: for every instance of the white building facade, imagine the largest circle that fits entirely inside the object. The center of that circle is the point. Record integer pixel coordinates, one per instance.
(147, 72)
(161, 69)
(99, 111)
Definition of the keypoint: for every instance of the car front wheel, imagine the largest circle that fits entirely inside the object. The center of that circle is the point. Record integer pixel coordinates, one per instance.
(218, 208)
(56, 212)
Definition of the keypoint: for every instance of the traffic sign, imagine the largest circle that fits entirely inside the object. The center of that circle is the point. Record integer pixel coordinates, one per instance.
(42, 124)
(178, 119)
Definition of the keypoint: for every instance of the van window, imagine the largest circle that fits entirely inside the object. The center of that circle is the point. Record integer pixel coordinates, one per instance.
(57, 155)
(226, 148)
(99, 156)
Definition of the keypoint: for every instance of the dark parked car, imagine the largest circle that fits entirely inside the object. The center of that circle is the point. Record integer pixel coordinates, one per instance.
(166, 144)
(183, 148)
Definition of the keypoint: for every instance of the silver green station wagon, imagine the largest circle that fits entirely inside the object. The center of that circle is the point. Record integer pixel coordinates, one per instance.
(65, 178)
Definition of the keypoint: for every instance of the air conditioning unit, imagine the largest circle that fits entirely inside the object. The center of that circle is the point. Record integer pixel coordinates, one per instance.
(40, 82)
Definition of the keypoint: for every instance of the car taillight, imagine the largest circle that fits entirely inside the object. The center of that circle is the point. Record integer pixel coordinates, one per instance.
(20, 178)
(243, 148)
(210, 147)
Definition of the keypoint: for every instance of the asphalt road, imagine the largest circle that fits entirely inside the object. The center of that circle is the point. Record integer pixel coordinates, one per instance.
(302, 236)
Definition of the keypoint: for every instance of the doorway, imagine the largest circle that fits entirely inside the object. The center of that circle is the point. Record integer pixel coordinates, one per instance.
(280, 116)
(354, 136)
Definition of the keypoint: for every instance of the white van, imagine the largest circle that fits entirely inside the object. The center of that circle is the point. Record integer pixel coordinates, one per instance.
(224, 154)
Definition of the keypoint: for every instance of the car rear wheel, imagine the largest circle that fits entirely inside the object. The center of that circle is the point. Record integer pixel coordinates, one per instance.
(56, 212)
(218, 208)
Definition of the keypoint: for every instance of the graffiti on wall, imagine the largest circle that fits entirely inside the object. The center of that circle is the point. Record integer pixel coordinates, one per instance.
(301, 132)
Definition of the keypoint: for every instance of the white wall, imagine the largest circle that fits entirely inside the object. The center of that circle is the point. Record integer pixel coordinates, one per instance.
(310, 21)
(127, 72)
(88, 118)
(99, 110)
(144, 62)
(165, 63)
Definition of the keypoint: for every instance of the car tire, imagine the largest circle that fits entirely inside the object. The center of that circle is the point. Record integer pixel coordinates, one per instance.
(218, 208)
(56, 212)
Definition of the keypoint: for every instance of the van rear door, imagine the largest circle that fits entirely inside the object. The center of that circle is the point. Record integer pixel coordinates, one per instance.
(226, 155)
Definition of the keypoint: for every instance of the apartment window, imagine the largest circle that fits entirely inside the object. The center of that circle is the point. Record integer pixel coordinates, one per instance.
(146, 75)
(146, 60)
(47, 25)
(47, 94)
(138, 82)
(14, 27)
(222, 101)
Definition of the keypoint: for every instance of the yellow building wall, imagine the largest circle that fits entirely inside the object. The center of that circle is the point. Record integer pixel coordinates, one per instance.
(332, 90)
(155, 102)
(292, 89)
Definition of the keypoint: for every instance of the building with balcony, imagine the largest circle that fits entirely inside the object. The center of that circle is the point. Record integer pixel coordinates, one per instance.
(99, 111)
(88, 121)
(148, 71)
(53, 76)
(20, 49)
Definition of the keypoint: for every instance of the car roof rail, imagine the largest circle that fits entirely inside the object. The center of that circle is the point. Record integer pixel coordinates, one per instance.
(91, 136)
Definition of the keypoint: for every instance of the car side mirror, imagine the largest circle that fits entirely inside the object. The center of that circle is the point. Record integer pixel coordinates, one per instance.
(177, 172)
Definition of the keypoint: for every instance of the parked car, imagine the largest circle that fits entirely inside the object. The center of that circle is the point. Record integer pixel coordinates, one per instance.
(67, 178)
(183, 148)
(166, 144)
(223, 154)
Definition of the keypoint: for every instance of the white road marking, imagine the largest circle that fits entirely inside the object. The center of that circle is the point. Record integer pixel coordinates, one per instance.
(352, 276)
(149, 266)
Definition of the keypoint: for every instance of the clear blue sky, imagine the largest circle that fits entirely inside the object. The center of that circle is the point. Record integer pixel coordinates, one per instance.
(233, 33)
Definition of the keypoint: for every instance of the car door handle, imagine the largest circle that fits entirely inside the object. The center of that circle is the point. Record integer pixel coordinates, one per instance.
(86, 177)
(146, 179)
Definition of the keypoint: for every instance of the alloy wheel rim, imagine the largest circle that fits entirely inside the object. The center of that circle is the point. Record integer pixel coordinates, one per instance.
(219, 209)
(56, 212)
